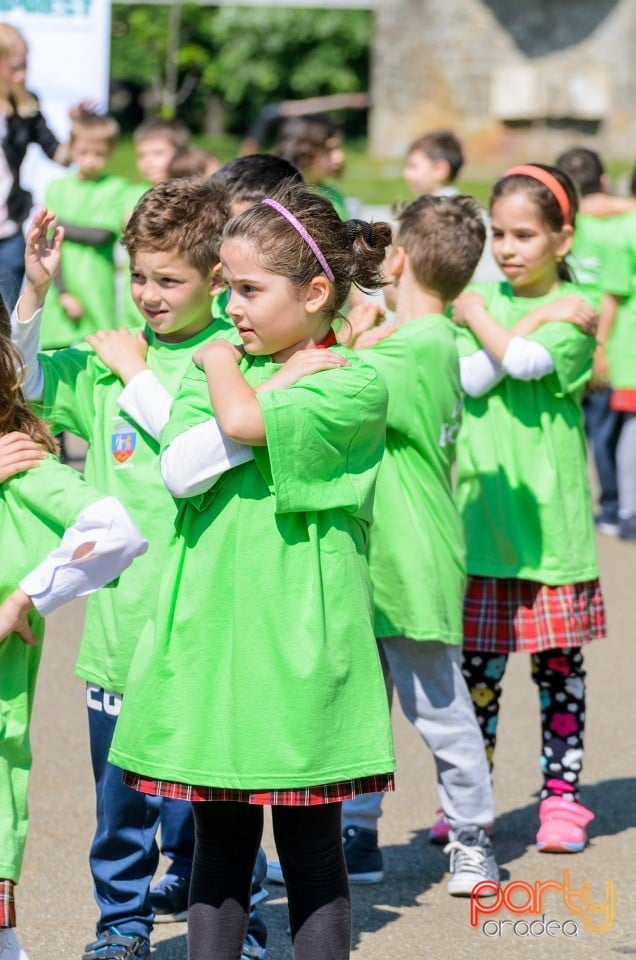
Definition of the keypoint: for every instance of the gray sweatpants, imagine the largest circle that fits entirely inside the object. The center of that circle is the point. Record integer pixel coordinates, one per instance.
(434, 697)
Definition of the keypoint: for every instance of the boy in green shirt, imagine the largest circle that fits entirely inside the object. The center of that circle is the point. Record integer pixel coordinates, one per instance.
(602, 264)
(116, 393)
(416, 547)
(89, 204)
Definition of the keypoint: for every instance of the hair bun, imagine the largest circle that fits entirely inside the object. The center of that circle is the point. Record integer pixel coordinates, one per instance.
(355, 227)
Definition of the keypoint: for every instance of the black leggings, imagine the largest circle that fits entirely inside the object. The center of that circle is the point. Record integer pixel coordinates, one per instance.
(309, 845)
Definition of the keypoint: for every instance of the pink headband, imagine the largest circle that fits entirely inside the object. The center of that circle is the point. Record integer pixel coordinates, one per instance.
(546, 178)
(309, 240)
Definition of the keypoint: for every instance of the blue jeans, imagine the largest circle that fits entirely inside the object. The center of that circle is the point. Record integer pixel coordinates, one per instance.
(11, 268)
(603, 427)
(124, 852)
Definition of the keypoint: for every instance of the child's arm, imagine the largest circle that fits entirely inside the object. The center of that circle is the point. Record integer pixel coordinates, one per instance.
(99, 546)
(234, 400)
(88, 236)
(507, 352)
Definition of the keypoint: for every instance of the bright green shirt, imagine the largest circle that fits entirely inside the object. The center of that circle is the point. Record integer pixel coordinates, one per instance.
(599, 258)
(416, 550)
(522, 484)
(80, 395)
(621, 347)
(88, 272)
(262, 670)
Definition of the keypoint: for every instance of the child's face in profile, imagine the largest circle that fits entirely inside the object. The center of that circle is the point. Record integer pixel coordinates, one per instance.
(154, 156)
(329, 162)
(91, 156)
(423, 174)
(171, 295)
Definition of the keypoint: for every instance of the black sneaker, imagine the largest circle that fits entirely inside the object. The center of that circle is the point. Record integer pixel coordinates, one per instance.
(362, 854)
(112, 945)
(169, 899)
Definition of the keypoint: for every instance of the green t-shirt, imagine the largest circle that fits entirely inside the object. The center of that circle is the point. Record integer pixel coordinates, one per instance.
(89, 272)
(263, 669)
(621, 347)
(599, 258)
(416, 550)
(522, 484)
(336, 196)
(80, 395)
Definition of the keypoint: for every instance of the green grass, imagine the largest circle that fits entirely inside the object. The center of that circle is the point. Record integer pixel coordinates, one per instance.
(370, 179)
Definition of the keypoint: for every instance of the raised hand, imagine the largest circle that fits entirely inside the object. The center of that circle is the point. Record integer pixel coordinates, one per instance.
(42, 255)
(121, 350)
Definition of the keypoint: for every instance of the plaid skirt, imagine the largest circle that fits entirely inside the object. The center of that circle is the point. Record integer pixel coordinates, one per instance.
(508, 615)
(7, 903)
(296, 797)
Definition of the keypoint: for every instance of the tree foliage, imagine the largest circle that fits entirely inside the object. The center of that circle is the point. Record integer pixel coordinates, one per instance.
(246, 56)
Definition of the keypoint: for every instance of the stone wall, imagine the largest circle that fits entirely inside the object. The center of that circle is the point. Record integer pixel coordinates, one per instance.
(513, 79)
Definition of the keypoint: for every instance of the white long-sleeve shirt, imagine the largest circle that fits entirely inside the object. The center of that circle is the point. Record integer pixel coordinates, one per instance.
(113, 542)
(523, 360)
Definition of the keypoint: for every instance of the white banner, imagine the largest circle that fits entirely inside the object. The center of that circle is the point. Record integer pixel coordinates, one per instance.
(69, 54)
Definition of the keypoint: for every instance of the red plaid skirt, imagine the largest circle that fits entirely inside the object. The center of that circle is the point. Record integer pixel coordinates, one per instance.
(7, 903)
(508, 615)
(298, 797)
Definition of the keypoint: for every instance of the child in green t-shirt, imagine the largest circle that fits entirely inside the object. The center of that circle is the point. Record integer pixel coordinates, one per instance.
(416, 547)
(433, 162)
(89, 204)
(602, 263)
(526, 352)
(266, 592)
(80, 541)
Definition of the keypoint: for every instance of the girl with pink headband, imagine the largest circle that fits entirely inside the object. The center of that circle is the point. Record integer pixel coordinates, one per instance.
(526, 347)
(266, 590)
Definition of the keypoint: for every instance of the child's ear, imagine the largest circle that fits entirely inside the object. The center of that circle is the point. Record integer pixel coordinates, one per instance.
(396, 261)
(564, 243)
(216, 280)
(317, 294)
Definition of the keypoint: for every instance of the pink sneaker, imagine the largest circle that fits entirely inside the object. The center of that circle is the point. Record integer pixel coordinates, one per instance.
(438, 833)
(563, 825)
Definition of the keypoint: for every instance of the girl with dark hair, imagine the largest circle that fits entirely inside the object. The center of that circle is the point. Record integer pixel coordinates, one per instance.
(526, 347)
(266, 590)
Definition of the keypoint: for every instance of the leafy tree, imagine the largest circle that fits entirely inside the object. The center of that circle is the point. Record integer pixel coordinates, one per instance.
(246, 56)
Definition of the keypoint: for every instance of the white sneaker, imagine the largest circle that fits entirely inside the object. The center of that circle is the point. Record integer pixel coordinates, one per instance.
(471, 861)
(10, 949)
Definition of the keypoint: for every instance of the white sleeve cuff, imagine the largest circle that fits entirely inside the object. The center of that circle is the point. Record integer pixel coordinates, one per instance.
(147, 402)
(25, 335)
(196, 459)
(479, 373)
(115, 541)
(526, 360)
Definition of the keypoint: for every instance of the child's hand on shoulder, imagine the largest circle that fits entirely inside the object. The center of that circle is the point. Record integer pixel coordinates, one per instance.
(121, 350)
(301, 364)
(371, 337)
(467, 305)
(572, 309)
(72, 306)
(217, 348)
(364, 316)
(18, 452)
(13, 617)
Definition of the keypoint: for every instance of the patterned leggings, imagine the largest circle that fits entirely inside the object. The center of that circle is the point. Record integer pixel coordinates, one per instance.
(560, 677)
